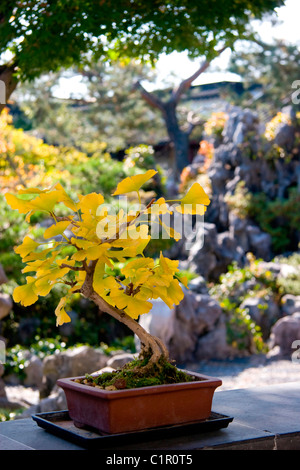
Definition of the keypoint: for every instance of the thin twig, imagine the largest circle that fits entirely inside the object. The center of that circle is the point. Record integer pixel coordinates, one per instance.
(74, 268)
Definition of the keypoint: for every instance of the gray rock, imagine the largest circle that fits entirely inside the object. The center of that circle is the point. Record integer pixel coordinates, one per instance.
(71, 363)
(3, 278)
(228, 250)
(238, 135)
(56, 401)
(202, 258)
(2, 383)
(284, 136)
(218, 176)
(34, 372)
(119, 360)
(6, 305)
(181, 327)
(198, 285)
(290, 304)
(259, 242)
(280, 268)
(230, 126)
(283, 335)
(211, 254)
(237, 230)
(264, 312)
(159, 321)
(213, 344)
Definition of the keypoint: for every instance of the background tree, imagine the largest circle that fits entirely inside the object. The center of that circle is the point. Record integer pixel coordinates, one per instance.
(178, 134)
(110, 111)
(42, 36)
(273, 66)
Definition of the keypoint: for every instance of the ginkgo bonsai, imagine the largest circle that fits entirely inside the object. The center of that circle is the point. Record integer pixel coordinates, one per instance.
(96, 239)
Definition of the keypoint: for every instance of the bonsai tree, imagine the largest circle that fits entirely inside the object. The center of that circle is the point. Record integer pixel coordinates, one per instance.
(79, 250)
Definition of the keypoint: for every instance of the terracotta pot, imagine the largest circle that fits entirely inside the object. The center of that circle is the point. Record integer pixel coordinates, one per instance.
(120, 411)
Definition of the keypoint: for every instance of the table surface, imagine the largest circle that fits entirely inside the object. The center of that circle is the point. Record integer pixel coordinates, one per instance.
(265, 418)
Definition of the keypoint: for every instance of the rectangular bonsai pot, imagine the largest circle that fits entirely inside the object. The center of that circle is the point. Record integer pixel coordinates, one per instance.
(120, 411)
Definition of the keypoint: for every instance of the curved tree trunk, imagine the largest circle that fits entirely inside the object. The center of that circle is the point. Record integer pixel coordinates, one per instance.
(178, 137)
(151, 346)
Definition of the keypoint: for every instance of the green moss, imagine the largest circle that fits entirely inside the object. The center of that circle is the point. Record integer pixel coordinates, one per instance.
(132, 375)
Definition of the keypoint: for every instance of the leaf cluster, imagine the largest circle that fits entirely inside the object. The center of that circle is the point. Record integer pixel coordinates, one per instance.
(86, 243)
(44, 35)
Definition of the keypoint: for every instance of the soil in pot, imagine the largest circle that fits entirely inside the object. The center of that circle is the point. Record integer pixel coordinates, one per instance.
(136, 375)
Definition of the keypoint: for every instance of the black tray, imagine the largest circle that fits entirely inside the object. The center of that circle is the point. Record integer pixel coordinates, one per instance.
(60, 424)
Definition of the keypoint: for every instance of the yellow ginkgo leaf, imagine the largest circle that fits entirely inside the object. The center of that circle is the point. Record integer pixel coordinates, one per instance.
(61, 315)
(136, 306)
(68, 261)
(118, 299)
(130, 251)
(169, 232)
(28, 216)
(80, 278)
(56, 229)
(144, 293)
(132, 266)
(104, 285)
(194, 201)
(40, 265)
(191, 209)
(80, 243)
(90, 203)
(18, 204)
(107, 228)
(160, 292)
(175, 292)
(32, 191)
(92, 253)
(28, 246)
(26, 294)
(38, 255)
(132, 243)
(46, 201)
(167, 265)
(159, 207)
(184, 281)
(43, 286)
(65, 198)
(133, 183)
(131, 235)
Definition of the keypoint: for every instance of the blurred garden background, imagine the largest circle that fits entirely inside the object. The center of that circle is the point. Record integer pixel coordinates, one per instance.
(200, 91)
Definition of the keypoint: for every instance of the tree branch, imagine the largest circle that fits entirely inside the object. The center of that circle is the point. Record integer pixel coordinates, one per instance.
(192, 122)
(152, 100)
(149, 343)
(185, 84)
(74, 268)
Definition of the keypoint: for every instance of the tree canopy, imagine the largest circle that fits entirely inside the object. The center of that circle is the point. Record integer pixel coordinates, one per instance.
(44, 35)
(110, 110)
(274, 66)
